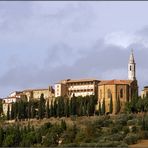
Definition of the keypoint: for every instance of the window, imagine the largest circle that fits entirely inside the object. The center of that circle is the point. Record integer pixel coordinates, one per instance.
(109, 93)
(130, 68)
(121, 93)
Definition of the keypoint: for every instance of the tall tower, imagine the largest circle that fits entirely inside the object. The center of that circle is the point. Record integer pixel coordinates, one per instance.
(131, 67)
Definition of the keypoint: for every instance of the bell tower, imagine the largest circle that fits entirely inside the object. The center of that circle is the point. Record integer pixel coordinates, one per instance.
(131, 67)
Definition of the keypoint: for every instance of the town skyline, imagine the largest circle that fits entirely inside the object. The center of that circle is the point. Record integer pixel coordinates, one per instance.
(52, 41)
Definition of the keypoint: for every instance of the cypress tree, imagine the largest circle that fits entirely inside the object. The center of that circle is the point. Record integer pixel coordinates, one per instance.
(51, 109)
(12, 111)
(42, 107)
(118, 106)
(88, 109)
(33, 112)
(55, 108)
(73, 105)
(63, 125)
(99, 108)
(1, 136)
(66, 107)
(103, 107)
(29, 109)
(111, 105)
(47, 109)
(16, 110)
(8, 113)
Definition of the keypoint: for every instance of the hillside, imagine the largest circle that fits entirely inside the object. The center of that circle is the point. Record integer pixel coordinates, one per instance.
(101, 131)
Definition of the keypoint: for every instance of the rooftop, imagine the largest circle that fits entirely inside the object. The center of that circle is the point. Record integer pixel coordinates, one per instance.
(77, 80)
(112, 82)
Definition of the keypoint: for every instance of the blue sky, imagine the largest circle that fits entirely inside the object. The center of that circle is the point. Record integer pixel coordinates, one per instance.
(44, 42)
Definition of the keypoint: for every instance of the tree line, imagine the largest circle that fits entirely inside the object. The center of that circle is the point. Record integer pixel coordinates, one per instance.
(59, 107)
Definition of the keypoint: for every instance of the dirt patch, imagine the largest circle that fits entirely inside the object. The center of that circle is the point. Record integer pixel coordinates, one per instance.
(140, 144)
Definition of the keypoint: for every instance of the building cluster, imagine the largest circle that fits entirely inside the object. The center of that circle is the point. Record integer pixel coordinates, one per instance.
(103, 89)
(27, 95)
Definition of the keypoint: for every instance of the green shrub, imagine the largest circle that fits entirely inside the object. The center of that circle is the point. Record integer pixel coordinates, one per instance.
(114, 130)
(134, 129)
(88, 144)
(131, 122)
(144, 134)
(70, 145)
(121, 121)
(131, 138)
(106, 123)
(116, 137)
(125, 129)
(131, 116)
(101, 144)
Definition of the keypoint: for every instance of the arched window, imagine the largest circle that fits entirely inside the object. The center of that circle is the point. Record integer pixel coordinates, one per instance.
(121, 93)
(130, 67)
(109, 93)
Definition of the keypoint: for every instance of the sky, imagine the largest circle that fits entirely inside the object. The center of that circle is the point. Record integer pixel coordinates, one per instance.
(42, 43)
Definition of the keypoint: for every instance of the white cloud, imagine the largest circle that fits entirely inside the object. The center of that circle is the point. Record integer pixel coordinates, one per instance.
(125, 39)
(121, 38)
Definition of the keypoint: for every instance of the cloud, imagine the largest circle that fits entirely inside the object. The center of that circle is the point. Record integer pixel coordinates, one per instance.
(44, 42)
(125, 39)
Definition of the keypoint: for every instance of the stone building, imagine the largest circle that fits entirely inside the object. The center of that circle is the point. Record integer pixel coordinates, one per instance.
(26, 95)
(144, 92)
(36, 93)
(123, 90)
(117, 89)
(82, 87)
(15, 96)
(105, 89)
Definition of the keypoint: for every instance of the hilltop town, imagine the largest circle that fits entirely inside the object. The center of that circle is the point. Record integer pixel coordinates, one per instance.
(106, 91)
(77, 113)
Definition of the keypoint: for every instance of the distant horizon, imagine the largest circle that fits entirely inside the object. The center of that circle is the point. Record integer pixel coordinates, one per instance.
(42, 43)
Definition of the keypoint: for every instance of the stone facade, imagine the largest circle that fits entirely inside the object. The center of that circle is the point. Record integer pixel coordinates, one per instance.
(12, 98)
(26, 95)
(82, 87)
(144, 92)
(122, 89)
(36, 93)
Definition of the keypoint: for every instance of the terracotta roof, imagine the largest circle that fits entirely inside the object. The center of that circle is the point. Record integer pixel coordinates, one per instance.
(112, 82)
(14, 97)
(77, 80)
(35, 89)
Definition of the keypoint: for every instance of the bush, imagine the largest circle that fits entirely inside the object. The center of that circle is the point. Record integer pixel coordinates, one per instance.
(117, 137)
(131, 122)
(114, 130)
(122, 120)
(131, 138)
(102, 144)
(70, 145)
(144, 135)
(107, 123)
(125, 130)
(134, 129)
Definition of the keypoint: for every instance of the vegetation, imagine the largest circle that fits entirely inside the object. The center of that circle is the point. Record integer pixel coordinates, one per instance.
(100, 131)
(103, 131)
(59, 107)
